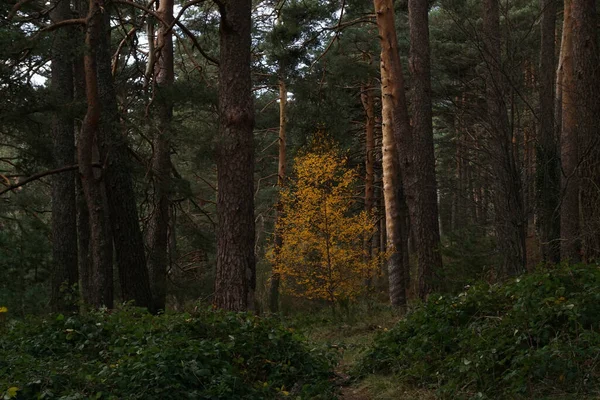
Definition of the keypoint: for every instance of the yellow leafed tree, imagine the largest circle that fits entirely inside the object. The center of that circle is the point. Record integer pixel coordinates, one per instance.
(322, 255)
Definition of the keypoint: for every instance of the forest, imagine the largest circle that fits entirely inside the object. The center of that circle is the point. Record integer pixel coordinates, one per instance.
(305, 199)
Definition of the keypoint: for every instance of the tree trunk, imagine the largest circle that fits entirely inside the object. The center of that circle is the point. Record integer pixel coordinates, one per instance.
(127, 236)
(84, 248)
(586, 60)
(236, 265)
(275, 278)
(423, 191)
(99, 290)
(64, 224)
(569, 212)
(508, 202)
(548, 162)
(398, 271)
(157, 236)
(369, 108)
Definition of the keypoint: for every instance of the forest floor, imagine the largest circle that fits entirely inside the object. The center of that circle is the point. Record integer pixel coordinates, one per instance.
(351, 336)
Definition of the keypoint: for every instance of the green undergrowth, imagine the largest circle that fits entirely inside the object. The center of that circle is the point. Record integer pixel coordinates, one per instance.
(129, 354)
(349, 334)
(537, 336)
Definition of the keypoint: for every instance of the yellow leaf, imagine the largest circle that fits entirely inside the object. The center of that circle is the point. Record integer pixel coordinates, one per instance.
(3, 310)
(12, 392)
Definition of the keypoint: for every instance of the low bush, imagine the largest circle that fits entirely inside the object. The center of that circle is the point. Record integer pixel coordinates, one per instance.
(537, 335)
(129, 354)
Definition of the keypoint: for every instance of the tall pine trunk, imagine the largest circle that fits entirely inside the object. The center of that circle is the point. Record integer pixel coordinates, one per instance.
(275, 278)
(157, 236)
(236, 265)
(391, 80)
(84, 244)
(369, 108)
(570, 232)
(586, 62)
(508, 201)
(97, 282)
(64, 223)
(114, 155)
(422, 193)
(548, 162)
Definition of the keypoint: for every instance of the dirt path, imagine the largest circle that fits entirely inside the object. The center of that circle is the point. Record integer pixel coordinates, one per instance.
(350, 393)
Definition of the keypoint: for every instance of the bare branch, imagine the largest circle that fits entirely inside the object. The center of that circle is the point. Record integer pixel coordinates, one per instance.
(41, 175)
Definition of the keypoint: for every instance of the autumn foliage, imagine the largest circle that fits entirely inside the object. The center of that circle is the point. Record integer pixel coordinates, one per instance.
(322, 255)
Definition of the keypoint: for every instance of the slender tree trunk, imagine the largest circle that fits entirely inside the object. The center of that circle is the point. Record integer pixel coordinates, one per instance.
(508, 202)
(64, 224)
(586, 62)
(157, 236)
(127, 235)
(379, 244)
(236, 265)
(548, 162)
(569, 212)
(369, 108)
(391, 80)
(100, 290)
(84, 248)
(424, 210)
(275, 278)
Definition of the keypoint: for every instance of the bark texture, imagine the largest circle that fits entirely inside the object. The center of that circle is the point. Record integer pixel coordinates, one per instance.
(83, 219)
(275, 278)
(368, 105)
(586, 62)
(569, 212)
(422, 192)
(547, 155)
(508, 202)
(127, 235)
(391, 85)
(157, 236)
(98, 283)
(236, 264)
(64, 224)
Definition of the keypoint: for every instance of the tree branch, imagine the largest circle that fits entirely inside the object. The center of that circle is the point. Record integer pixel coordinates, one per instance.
(41, 175)
(176, 22)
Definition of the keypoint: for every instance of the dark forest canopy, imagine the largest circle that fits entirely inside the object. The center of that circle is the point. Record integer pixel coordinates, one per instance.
(144, 147)
(255, 199)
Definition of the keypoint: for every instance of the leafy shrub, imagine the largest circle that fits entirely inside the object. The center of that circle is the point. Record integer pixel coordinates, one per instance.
(534, 336)
(24, 266)
(129, 354)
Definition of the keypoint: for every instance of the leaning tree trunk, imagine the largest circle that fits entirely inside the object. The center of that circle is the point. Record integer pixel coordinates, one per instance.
(275, 278)
(391, 80)
(64, 223)
(157, 236)
(98, 285)
(508, 202)
(548, 162)
(570, 233)
(422, 192)
(127, 235)
(586, 62)
(236, 264)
